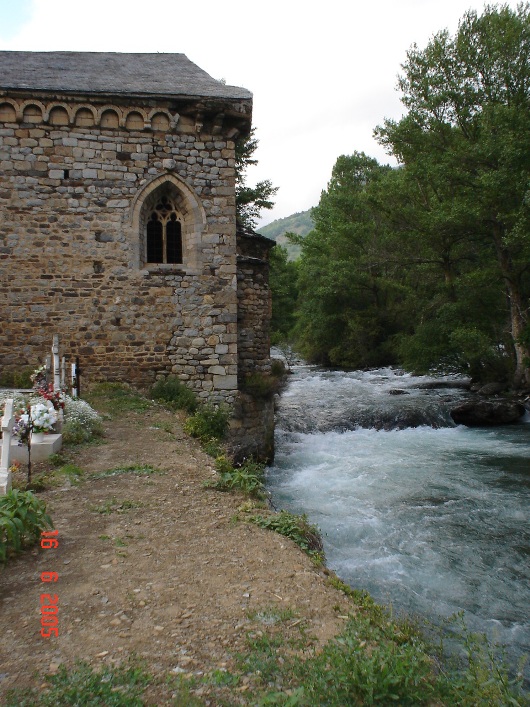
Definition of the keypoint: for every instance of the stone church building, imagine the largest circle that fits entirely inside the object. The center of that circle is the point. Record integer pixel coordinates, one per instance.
(118, 227)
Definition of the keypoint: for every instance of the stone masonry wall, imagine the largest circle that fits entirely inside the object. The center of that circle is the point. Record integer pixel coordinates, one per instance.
(74, 176)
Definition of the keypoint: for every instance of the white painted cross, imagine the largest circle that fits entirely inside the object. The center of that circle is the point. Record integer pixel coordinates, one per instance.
(8, 420)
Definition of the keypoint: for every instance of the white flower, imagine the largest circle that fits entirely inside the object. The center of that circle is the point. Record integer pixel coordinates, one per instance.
(43, 417)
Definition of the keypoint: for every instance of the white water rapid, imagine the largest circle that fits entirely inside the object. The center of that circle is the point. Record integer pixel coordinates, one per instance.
(425, 515)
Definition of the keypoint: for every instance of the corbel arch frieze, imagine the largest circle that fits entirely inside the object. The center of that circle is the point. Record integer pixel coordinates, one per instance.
(51, 107)
(128, 116)
(33, 102)
(110, 109)
(14, 104)
(84, 107)
(172, 118)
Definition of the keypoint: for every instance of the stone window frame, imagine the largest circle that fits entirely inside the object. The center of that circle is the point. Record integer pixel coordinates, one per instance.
(162, 216)
(191, 216)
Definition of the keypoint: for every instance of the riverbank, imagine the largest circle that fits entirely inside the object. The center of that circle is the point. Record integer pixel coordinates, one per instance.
(152, 565)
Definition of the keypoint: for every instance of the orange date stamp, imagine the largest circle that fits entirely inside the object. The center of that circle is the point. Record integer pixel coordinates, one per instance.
(49, 603)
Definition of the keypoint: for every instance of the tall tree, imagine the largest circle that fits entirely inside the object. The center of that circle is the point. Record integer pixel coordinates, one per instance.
(349, 292)
(250, 200)
(466, 142)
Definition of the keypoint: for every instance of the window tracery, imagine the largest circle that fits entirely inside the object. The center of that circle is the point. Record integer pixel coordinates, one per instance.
(164, 233)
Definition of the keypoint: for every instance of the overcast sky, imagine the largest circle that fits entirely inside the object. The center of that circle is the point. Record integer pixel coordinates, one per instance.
(323, 74)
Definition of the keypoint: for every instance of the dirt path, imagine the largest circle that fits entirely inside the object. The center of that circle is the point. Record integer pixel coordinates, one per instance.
(152, 565)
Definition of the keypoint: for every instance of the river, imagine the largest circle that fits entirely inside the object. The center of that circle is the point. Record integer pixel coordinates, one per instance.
(427, 516)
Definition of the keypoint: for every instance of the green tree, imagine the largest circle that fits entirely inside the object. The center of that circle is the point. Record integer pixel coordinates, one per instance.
(465, 142)
(250, 200)
(350, 291)
(283, 282)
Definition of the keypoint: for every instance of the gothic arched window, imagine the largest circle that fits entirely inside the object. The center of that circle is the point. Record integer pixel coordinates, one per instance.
(164, 234)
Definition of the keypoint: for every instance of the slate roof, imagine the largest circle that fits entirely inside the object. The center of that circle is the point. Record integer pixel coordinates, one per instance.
(112, 73)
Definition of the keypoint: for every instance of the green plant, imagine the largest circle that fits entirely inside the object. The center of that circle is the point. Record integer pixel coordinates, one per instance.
(22, 519)
(366, 666)
(295, 527)
(212, 447)
(278, 368)
(82, 685)
(248, 477)
(127, 685)
(175, 394)
(479, 674)
(208, 422)
(260, 385)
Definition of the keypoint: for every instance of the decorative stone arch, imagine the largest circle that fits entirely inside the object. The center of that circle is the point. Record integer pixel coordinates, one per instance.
(81, 118)
(27, 111)
(9, 111)
(191, 215)
(110, 117)
(135, 119)
(172, 120)
(55, 113)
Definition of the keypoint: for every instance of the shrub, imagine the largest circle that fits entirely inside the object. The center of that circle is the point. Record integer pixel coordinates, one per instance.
(207, 423)
(278, 368)
(175, 394)
(22, 519)
(260, 385)
(17, 379)
(81, 422)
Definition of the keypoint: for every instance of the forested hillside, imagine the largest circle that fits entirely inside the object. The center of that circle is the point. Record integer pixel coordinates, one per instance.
(300, 223)
(428, 265)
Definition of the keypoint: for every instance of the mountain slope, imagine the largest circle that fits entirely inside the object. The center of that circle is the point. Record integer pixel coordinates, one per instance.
(300, 223)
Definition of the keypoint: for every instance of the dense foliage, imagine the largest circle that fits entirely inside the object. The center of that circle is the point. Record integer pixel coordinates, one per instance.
(23, 517)
(250, 200)
(428, 264)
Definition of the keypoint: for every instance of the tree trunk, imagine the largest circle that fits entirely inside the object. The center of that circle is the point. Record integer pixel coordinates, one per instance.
(521, 376)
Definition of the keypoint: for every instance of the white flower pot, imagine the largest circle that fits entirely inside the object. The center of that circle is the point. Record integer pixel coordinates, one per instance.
(37, 437)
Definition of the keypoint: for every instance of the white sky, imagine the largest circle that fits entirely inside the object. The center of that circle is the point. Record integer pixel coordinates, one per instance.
(323, 74)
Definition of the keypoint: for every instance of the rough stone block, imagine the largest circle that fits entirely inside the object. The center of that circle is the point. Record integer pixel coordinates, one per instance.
(225, 382)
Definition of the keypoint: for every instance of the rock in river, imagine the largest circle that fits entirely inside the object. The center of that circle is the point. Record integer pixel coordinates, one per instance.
(484, 413)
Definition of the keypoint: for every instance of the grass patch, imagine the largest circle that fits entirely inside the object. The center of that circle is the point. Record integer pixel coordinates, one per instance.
(295, 527)
(129, 685)
(55, 477)
(174, 394)
(373, 661)
(114, 399)
(113, 505)
(137, 469)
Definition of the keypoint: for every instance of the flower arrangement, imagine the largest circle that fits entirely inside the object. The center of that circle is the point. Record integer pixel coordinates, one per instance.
(38, 377)
(35, 418)
(56, 397)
